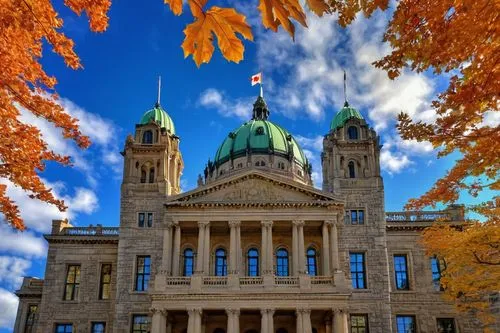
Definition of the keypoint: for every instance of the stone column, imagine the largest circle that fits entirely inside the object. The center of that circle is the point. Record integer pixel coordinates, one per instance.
(263, 249)
(264, 321)
(295, 251)
(166, 259)
(201, 246)
(158, 324)
(239, 254)
(334, 250)
(194, 321)
(206, 254)
(269, 250)
(302, 251)
(233, 247)
(233, 320)
(177, 250)
(270, 320)
(306, 321)
(325, 250)
(328, 326)
(339, 323)
(298, 321)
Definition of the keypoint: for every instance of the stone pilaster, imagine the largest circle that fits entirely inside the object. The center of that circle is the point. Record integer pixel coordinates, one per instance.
(326, 249)
(166, 261)
(206, 250)
(177, 250)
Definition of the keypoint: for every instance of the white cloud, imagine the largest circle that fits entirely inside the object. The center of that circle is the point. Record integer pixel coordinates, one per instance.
(491, 119)
(8, 304)
(312, 147)
(38, 215)
(102, 133)
(225, 106)
(24, 243)
(12, 270)
(393, 162)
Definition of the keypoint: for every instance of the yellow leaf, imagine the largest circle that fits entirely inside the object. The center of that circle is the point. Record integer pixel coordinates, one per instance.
(175, 6)
(279, 12)
(318, 7)
(224, 23)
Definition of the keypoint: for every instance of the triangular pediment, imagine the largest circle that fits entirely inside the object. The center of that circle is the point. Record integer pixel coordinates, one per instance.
(255, 187)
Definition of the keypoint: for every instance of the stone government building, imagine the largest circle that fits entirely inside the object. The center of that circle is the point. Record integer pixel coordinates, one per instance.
(254, 248)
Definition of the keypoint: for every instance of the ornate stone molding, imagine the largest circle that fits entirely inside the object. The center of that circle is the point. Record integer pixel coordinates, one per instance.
(266, 223)
(234, 224)
(298, 223)
(203, 224)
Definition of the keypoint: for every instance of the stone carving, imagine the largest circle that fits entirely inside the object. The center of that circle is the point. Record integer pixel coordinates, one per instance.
(253, 190)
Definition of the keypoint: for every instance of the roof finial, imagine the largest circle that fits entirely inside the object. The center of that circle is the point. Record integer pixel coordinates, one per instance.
(346, 104)
(159, 91)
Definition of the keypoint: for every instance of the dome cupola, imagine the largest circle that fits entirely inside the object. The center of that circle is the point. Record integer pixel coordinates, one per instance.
(260, 143)
(159, 116)
(346, 113)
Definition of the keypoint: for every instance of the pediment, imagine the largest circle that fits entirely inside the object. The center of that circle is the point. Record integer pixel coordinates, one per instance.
(254, 187)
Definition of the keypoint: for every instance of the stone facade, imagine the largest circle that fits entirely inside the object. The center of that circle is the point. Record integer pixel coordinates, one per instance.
(182, 262)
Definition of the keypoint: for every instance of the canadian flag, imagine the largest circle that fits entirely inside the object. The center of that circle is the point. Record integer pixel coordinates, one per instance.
(257, 78)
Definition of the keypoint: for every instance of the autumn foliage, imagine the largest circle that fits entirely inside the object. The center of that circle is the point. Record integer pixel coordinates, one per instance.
(471, 261)
(25, 25)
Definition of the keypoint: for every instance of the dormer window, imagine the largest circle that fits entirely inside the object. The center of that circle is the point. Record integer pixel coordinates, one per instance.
(281, 165)
(352, 133)
(259, 130)
(147, 137)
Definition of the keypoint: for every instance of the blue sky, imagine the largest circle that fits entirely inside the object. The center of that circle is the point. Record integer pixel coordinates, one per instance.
(303, 87)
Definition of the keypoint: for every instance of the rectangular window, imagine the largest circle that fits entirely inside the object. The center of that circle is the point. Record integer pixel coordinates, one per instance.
(142, 273)
(358, 272)
(105, 283)
(98, 327)
(446, 325)
(355, 216)
(140, 324)
(406, 324)
(401, 272)
(72, 283)
(436, 274)
(359, 323)
(64, 328)
(31, 319)
(145, 220)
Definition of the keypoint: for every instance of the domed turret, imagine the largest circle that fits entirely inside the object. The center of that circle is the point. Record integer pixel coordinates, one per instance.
(346, 113)
(260, 143)
(159, 116)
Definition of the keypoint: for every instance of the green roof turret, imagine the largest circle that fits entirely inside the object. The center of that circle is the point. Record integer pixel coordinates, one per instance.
(158, 115)
(346, 113)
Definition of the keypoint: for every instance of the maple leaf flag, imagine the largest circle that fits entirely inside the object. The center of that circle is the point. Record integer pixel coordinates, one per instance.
(257, 78)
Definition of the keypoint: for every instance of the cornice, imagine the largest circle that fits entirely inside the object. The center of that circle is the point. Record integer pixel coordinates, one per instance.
(66, 239)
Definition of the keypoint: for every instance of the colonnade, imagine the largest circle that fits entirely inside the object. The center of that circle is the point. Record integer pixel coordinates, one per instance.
(337, 324)
(172, 245)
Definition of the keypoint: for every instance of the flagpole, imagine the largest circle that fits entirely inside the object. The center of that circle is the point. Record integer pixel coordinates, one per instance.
(261, 80)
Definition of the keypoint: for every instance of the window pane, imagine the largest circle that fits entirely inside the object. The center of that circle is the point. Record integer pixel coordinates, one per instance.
(311, 262)
(401, 272)
(72, 283)
(253, 262)
(140, 324)
(282, 262)
(188, 262)
(220, 263)
(150, 220)
(104, 287)
(358, 274)
(98, 327)
(446, 325)
(436, 273)
(361, 216)
(141, 220)
(354, 216)
(143, 272)
(405, 324)
(359, 324)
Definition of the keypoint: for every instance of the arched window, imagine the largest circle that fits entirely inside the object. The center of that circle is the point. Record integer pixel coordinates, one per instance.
(282, 262)
(143, 175)
(253, 262)
(260, 163)
(152, 175)
(220, 262)
(352, 172)
(147, 137)
(352, 133)
(188, 262)
(312, 265)
(281, 165)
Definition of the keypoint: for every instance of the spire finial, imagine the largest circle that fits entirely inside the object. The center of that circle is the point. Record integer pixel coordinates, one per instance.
(345, 89)
(159, 91)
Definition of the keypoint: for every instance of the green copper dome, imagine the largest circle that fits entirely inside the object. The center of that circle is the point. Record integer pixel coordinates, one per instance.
(159, 116)
(260, 136)
(346, 113)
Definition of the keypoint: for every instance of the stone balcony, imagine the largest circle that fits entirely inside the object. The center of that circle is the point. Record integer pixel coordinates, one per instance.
(246, 284)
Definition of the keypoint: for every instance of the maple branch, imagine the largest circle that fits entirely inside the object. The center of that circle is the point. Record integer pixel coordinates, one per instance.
(484, 262)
